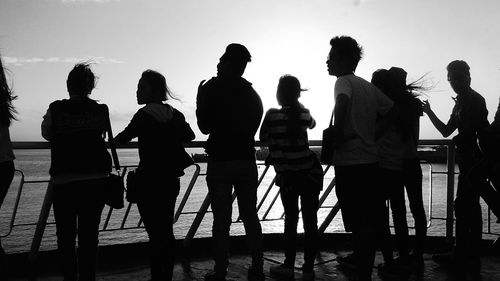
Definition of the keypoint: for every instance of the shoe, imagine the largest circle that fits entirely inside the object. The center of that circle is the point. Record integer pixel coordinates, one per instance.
(448, 259)
(403, 263)
(391, 271)
(417, 260)
(348, 262)
(282, 271)
(308, 275)
(255, 274)
(213, 276)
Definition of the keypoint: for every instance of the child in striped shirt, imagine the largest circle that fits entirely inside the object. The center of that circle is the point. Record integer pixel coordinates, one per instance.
(298, 172)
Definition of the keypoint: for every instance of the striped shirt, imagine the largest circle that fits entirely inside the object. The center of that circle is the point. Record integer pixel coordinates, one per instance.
(285, 131)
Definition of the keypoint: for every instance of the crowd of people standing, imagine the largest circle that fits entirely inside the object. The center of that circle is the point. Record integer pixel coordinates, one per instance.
(376, 133)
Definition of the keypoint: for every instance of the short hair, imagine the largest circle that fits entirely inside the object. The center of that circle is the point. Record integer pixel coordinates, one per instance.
(347, 47)
(158, 84)
(81, 79)
(238, 53)
(458, 67)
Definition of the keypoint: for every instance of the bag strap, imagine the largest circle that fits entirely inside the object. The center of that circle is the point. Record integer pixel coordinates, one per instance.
(331, 118)
(111, 140)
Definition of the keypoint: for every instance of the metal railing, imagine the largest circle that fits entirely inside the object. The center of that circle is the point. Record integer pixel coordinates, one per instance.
(204, 207)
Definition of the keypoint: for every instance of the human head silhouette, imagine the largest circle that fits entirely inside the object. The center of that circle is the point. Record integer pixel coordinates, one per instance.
(345, 53)
(234, 61)
(288, 91)
(392, 82)
(459, 76)
(152, 88)
(379, 79)
(81, 80)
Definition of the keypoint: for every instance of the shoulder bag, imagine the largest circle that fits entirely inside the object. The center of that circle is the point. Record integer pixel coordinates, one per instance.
(327, 144)
(114, 182)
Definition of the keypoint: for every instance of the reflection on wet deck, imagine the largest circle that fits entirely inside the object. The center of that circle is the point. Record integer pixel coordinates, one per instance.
(325, 271)
(129, 262)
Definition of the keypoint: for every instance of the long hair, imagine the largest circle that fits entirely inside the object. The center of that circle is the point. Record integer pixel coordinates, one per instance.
(158, 84)
(7, 110)
(393, 83)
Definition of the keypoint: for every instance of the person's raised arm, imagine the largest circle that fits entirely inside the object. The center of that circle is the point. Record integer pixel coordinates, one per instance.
(202, 110)
(444, 129)
(132, 129)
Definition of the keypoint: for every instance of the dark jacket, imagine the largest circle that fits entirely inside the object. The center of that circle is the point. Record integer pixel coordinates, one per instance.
(229, 111)
(470, 116)
(161, 131)
(77, 137)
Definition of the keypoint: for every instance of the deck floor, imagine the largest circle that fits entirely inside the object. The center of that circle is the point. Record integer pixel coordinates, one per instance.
(326, 269)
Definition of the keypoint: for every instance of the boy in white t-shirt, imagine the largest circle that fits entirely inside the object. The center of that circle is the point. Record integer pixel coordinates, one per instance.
(358, 105)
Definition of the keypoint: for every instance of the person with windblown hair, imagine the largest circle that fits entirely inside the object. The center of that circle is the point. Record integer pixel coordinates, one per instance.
(7, 157)
(399, 170)
(298, 173)
(79, 167)
(161, 131)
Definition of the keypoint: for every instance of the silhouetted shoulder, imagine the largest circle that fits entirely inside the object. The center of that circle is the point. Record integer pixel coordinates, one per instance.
(178, 115)
(58, 103)
(210, 83)
(272, 111)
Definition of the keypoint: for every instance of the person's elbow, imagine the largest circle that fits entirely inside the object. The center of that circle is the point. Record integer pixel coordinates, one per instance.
(47, 136)
(46, 133)
(189, 136)
(204, 128)
(446, 133)
(121, 139)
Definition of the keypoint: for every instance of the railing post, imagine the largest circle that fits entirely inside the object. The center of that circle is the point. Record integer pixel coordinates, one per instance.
(450, 189)
(188, 192)
(196, 222)
(42, 222)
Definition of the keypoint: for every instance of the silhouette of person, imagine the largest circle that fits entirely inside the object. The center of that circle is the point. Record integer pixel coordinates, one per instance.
(469, 116)
(298, 172)
(80, 163)
(390, 152)
(357, 105)
(229, 111)
(488, 168)
(7, 157)
(399, 157)
(161, 130)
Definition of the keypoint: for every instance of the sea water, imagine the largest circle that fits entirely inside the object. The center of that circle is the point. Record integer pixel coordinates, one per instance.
(35, 164)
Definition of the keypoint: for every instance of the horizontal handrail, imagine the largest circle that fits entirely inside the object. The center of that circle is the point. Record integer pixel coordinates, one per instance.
(200, 144)
(206, 203)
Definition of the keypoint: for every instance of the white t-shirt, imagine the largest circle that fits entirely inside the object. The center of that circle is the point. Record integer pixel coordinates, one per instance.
(366, 103)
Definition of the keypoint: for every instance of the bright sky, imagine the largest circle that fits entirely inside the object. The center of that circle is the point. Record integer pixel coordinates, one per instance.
(41, 40)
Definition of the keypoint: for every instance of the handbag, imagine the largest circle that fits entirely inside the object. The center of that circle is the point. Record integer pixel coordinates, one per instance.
(114, 191)
(327, 144)
(114, 183)
(133, 179)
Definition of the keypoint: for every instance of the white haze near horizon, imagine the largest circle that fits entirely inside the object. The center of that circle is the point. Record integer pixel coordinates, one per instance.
(40, 40)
